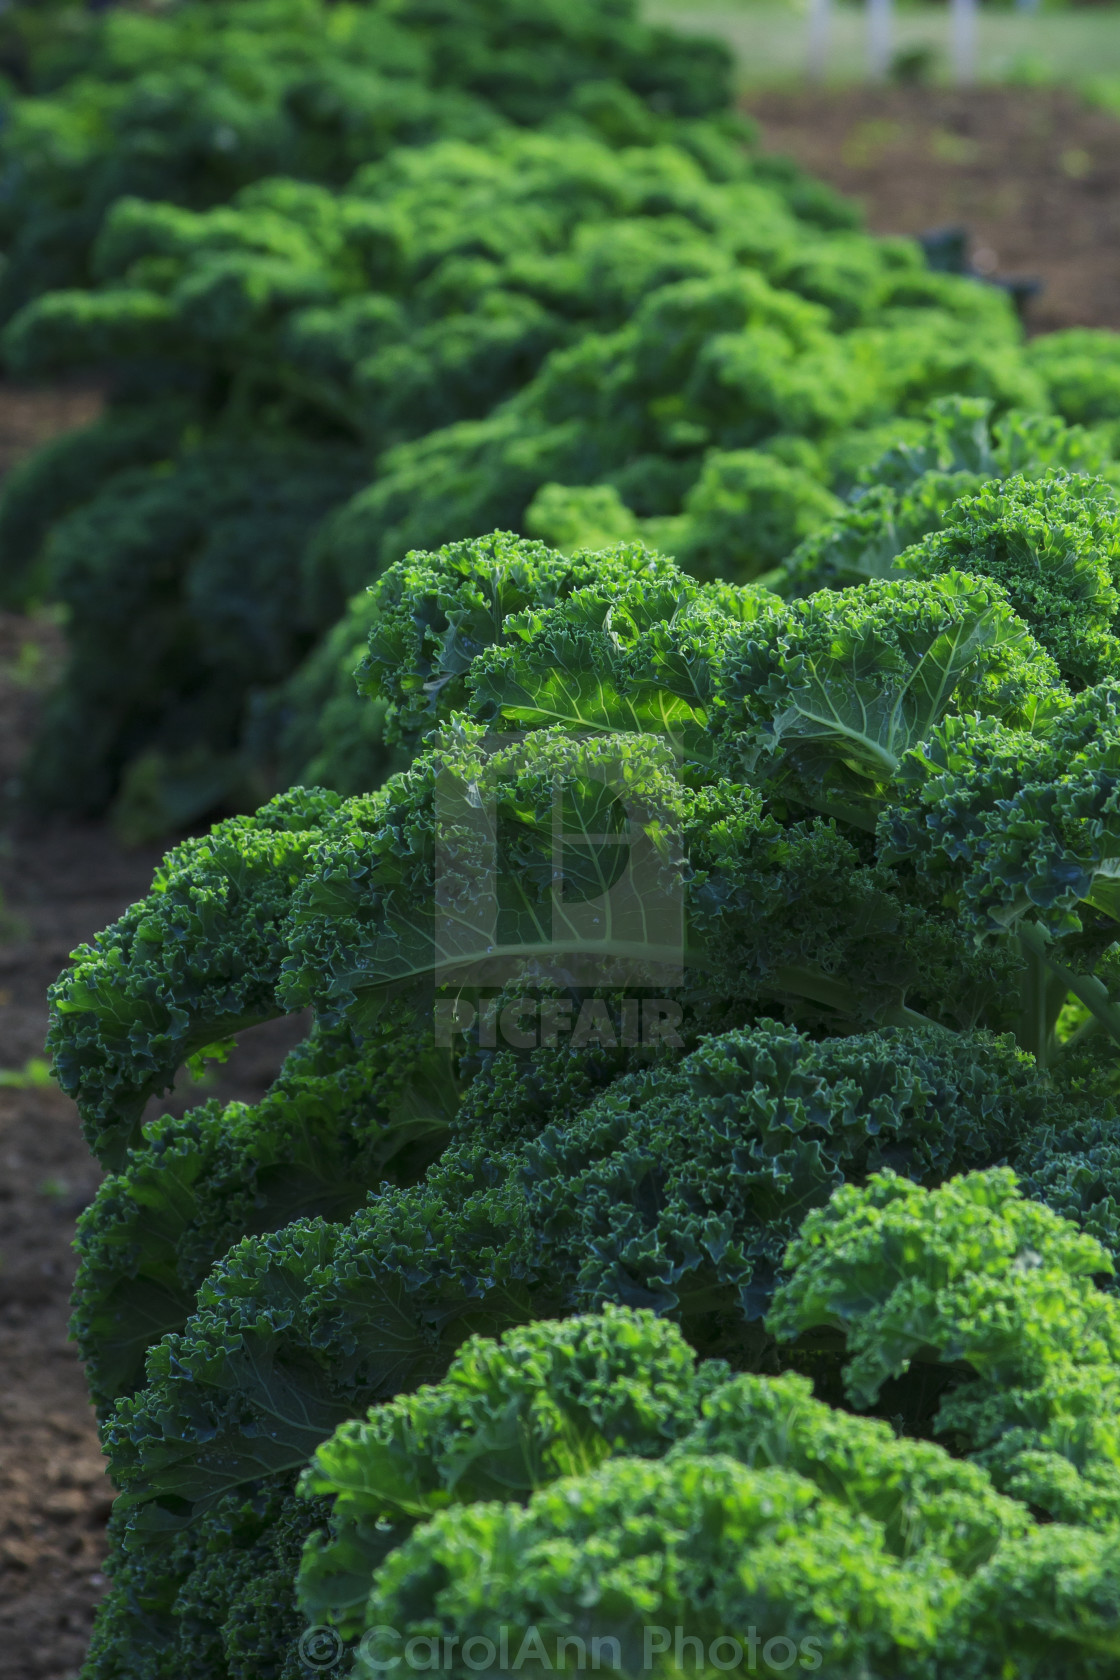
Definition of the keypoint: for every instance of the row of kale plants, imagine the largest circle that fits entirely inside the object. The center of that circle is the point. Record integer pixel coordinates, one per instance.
(694, 1213)
(362, 279)
(855, 1153)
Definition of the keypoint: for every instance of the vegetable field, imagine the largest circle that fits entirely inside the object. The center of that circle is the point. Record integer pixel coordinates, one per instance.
(560, 710)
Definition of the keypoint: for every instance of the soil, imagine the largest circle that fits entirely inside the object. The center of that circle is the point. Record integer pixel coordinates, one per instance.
(1035, 176)
(29, 417)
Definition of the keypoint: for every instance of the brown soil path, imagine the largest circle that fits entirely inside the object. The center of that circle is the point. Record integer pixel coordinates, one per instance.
(1033, 173)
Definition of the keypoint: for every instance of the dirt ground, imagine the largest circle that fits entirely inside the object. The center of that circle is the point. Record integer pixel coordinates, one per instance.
(1035, 177)
(1034, 174)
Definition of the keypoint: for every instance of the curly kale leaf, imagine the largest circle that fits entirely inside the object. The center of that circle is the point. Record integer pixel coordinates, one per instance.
(1008, 825)
(959, 435)
(971, 1272)
(546, 1400)
(66, 472)
(1073, 1165)
(924, 1499)
(455, 870)
(555, 1401)
(680, 1188)
(642, 657)
(195, 962)
(744, 513)
(867, 539)
(631, 1555)
(433, 614)
(1054, 546)
(1048, 1605)
(576, 1042)
(973, 1276)
(299, 1330)
(909, 493)
(826, 706)
(828, 1509)
(1081, 370)
(637, 1547)
(339, 1120)
(182, 581)
(216, 1601)
(560, 856)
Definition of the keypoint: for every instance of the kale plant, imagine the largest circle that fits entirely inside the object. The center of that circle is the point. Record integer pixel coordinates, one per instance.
(826, 948)
(486, 330)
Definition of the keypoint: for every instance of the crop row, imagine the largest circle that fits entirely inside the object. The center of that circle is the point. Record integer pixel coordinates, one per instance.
(673, 641)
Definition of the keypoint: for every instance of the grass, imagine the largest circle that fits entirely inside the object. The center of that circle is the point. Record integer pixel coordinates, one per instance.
(34, 1075)
(769, 39)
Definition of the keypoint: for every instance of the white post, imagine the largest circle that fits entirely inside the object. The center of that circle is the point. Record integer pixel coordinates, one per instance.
(963, 25)
(878, 38)
(819, 42)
